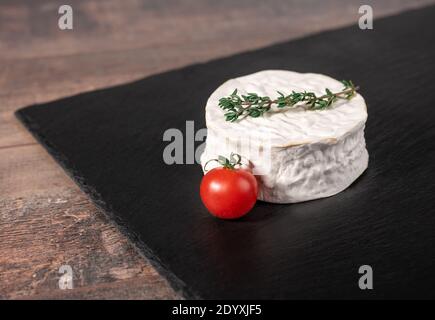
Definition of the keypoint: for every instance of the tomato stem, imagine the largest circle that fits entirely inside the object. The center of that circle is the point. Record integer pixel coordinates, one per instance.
(234, 160)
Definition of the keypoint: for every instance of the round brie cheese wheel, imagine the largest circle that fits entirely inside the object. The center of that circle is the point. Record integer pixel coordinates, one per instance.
(296, 154)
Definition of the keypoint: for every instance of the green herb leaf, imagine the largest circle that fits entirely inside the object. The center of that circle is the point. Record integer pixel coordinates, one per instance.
(254, 106)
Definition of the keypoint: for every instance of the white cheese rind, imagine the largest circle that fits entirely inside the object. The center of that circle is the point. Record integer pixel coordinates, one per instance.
(308, 154)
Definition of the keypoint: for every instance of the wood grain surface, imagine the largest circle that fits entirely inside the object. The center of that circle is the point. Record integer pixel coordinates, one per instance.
(45, 220)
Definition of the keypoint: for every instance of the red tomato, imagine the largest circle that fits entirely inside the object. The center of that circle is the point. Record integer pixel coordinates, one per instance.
(229, 193)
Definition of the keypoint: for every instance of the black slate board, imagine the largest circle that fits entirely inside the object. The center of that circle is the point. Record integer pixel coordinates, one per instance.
(110, 141)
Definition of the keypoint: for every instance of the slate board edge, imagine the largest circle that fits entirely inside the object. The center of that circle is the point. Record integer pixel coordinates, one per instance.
(177, 284)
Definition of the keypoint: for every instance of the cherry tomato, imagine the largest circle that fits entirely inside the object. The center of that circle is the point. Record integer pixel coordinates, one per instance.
(229, 193)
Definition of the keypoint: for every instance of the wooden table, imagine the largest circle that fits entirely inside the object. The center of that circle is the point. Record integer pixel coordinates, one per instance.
(45, 220)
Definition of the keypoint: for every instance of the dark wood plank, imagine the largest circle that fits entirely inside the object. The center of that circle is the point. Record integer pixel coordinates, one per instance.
(28, 29)
(48, 226)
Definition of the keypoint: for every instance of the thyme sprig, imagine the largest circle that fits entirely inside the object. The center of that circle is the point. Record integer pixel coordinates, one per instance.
(253, 105)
